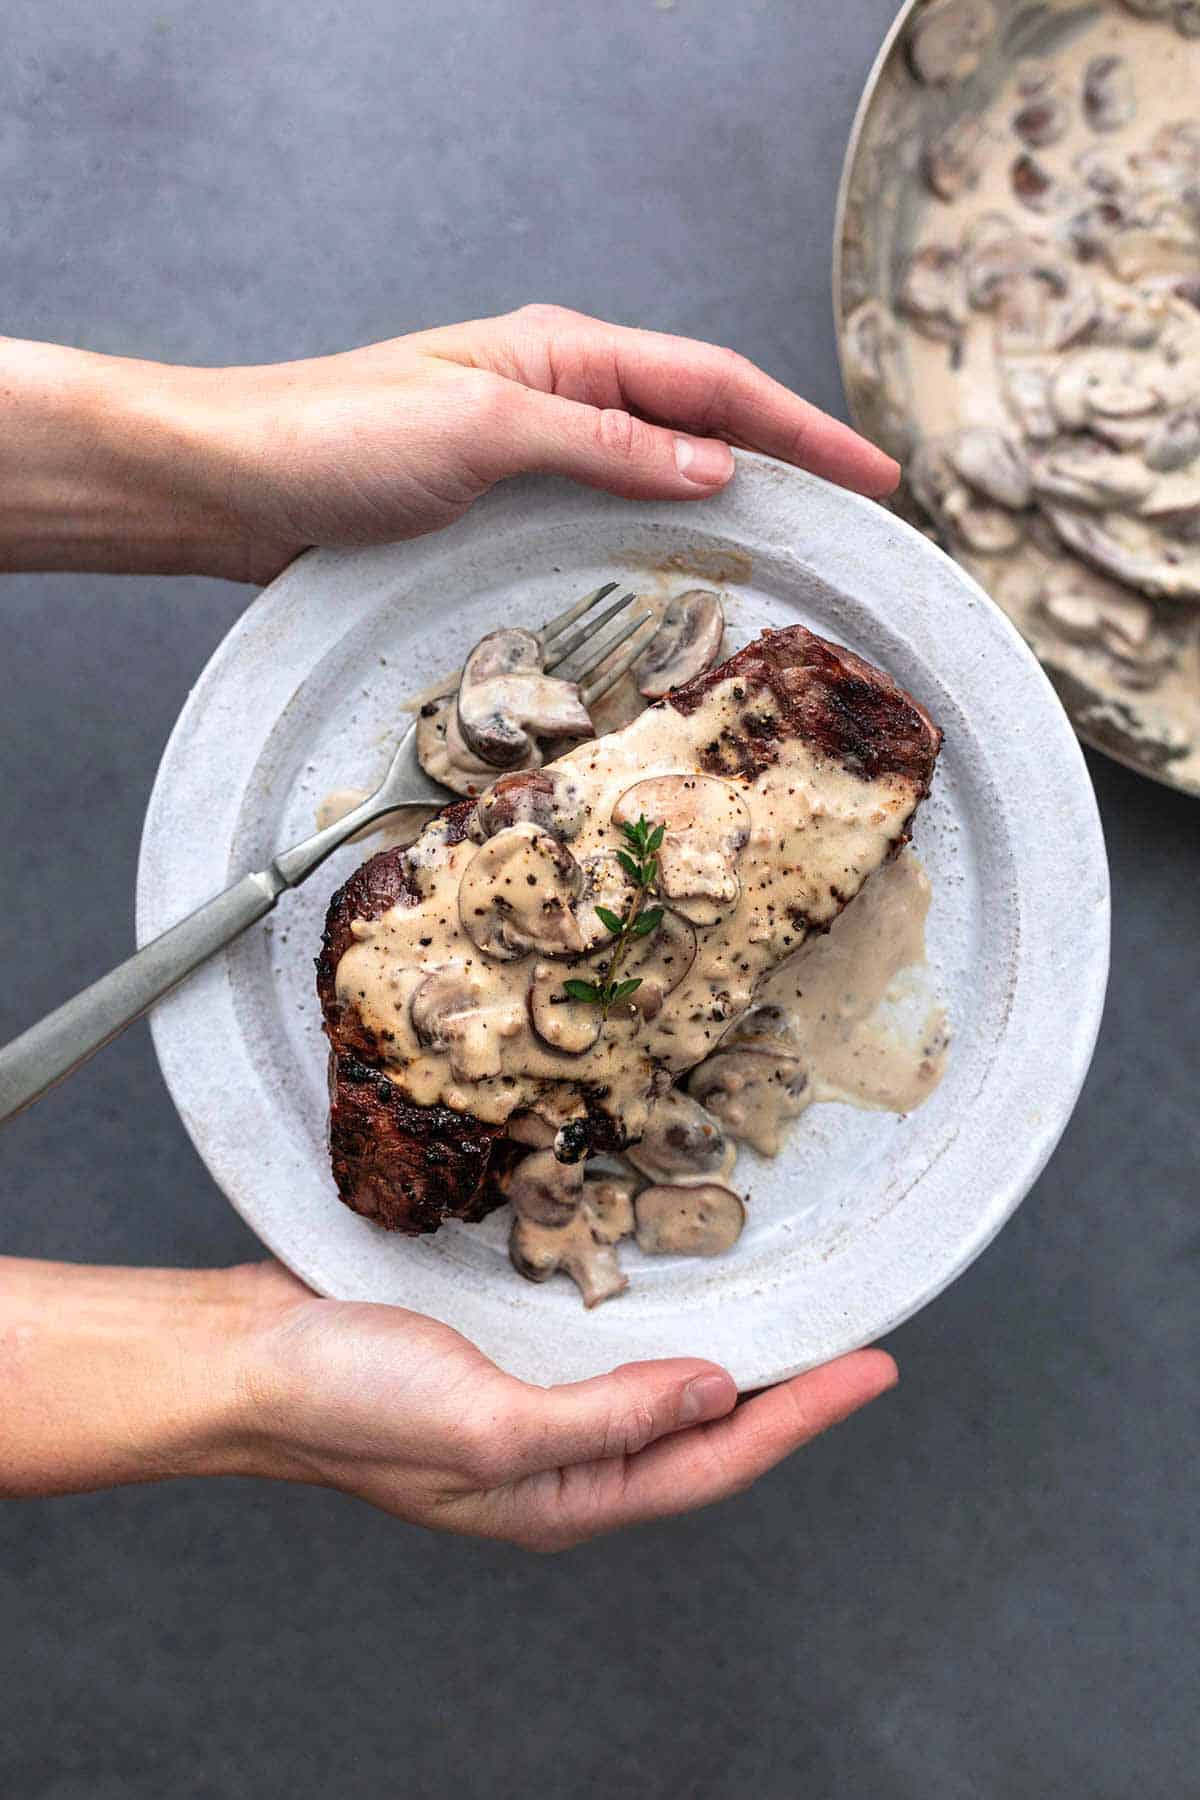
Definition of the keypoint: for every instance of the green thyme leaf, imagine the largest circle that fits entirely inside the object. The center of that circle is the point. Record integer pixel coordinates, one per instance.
(639, 921)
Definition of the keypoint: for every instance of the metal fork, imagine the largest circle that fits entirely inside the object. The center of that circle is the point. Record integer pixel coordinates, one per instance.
(38, 1059)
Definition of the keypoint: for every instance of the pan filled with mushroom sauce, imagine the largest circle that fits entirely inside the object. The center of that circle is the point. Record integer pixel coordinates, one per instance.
(849, 1018)
(1019, 306)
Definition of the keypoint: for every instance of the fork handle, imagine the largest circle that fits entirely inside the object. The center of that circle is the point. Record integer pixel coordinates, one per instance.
(56, 1046)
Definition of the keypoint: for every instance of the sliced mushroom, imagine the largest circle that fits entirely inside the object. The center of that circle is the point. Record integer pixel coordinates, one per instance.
(1085, 608)
(1123, 434)
(995, 253)
(609, 1198)
(518, 894)
(660, 962)
(952, 161)
(504, 700)
(1187, 18)
(1089, 474)
(932, 295)
(571, 1026)
(1108, 96)
(552, 798)
(1102, 382)
(989, 530)
(1027, 390)
(1040, 300)
(563, 1224)
(539, 1251)
(754, 1089)
(1175, 442)
(1148, 9)
(681, 1142)
(1164, 242)
(870, 344)
(993, 463)
(687, 641)
(1045, 309)
(703, 1220)
(543, 1190)
(1174, 496)
(1127, 632)
(948, 39)
(1033, 184)
(1131, 550)
(452, 1012)
(1079, 603)
(933, 482)
(706, 824)
(444, 755)
(1042, 120)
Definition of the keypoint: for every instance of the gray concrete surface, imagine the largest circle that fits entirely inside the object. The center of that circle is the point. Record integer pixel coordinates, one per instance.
(978, 1589)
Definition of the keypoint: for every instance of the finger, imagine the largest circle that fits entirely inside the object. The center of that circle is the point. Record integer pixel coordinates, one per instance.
(606, 447)
(615, 1415)
(696, 1468)
(699, 388)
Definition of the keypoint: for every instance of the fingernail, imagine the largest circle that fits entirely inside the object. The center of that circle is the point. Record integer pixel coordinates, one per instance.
(703, 461)
(887, 484)
(707, 1397)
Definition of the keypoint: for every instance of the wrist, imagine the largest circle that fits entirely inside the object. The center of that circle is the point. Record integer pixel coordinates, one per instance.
(110, 1376)
(116, 465)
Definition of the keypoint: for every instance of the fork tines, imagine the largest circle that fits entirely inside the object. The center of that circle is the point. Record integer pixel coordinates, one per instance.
(560, 643)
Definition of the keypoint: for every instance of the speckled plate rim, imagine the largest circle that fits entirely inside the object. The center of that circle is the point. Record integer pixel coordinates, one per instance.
(921, 1233)
(888, 48)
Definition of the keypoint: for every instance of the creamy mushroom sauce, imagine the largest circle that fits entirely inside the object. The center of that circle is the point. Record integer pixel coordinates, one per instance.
(816, 832)
(832, 997)
(1087, 163)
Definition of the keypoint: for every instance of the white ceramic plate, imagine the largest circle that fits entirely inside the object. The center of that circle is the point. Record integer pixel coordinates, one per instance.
(865, 1217)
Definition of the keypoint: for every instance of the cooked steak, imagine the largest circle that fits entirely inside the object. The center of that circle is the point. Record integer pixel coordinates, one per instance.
(782, 779)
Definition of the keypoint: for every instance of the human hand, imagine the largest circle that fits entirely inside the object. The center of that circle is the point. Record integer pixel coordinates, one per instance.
(121, 465)
(405, 1413)
(109, 1376)
(399, 438)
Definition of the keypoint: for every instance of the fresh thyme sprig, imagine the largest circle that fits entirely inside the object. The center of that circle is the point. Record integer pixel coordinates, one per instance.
(640, 863)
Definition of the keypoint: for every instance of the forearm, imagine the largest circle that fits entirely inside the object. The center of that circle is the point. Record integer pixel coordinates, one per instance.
(110, 1376)
(113, 465)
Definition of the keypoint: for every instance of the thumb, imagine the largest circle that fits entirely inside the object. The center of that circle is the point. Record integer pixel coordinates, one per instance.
(620, 1413)
(607, 448)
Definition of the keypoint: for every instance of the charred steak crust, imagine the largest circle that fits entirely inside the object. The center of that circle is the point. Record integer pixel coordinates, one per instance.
(799, 686)
(410, 1168)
